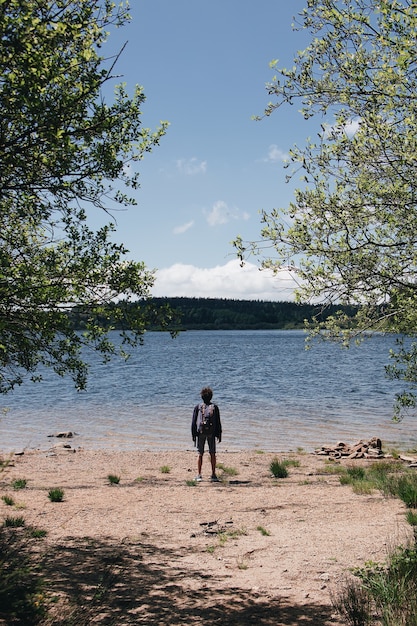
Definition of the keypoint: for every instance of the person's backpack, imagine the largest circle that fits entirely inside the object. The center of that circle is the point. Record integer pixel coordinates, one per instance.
(206, 418)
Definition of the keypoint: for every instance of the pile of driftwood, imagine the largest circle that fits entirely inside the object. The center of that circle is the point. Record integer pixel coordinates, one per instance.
(371, 449)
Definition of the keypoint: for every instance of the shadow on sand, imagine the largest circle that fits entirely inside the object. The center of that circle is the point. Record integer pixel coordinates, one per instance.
(100, 582)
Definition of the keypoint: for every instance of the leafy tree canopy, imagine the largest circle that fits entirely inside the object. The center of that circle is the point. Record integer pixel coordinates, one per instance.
(350, 234)
(63, 150)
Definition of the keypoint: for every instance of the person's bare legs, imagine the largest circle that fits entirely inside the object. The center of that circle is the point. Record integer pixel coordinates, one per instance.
(199, 464)
(213, 464)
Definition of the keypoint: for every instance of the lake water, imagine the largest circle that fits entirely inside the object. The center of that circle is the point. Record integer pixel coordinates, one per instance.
(273, 395)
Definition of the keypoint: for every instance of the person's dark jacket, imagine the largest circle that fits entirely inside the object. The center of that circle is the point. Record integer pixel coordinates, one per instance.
(217, 425)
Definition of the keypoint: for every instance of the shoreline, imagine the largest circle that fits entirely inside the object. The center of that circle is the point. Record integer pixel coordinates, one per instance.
(69, 441)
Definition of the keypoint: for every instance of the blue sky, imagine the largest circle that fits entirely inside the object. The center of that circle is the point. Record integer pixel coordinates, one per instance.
(203, 65)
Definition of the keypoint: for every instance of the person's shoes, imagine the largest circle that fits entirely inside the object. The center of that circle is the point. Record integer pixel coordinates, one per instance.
(198, 478)
(214, 479)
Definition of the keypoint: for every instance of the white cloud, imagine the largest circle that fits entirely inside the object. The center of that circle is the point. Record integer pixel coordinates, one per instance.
(276, 154)
(224, 281)
(191, 167)
(179, 230)
(221, 213)
(350, 128)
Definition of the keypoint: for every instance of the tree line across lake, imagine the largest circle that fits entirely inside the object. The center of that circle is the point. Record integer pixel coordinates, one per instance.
(225, 314)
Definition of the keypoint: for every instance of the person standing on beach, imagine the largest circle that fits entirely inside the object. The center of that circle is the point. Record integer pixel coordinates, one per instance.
(206, 426)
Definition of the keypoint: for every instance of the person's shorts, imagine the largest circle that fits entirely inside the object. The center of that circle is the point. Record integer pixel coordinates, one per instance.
(201, 442)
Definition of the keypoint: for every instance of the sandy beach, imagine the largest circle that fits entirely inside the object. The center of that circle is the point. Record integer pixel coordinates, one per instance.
(250, 549)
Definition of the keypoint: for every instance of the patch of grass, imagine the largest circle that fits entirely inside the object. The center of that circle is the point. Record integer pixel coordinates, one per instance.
(222, 537)
(389, 477)
(365, 481)
(139, 479)
(403, 486)
(5, 462)
(263, 531)
(14, 522)
(385, 593)
(56, 494)
(242, 563)
(392, 587)
(259, 452)
(278, 469)
(381, 469)
(363, 487)
(227, 471)
(19, 483)
(113, 479)
(411, 517)
(332, 467)
(191, 483)
(291, 463)
(233, 534)
(353, 603)
(345, 479)
(355, 472)
(165, 469)
(38, 533)
(406, 490)
(395, 453)
(8, 500)
(355, 476)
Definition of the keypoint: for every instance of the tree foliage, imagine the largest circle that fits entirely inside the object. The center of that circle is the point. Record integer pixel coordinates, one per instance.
(64, 151)
(351, 232)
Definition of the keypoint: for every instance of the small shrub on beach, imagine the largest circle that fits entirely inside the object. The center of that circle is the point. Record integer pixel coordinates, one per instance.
(191, 483)
(113, 479)
(56, 494)
(20, 483)
(8, 500)
(38, 533)
(263, 531)
(165, 469)
(278, 469)
(14, 522)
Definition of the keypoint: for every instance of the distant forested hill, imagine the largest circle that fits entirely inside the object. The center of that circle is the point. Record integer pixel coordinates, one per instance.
(224, 314)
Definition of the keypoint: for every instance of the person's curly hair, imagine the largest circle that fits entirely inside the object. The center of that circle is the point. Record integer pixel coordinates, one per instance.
(206, 394)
